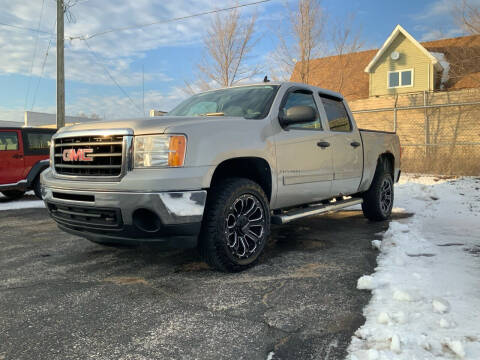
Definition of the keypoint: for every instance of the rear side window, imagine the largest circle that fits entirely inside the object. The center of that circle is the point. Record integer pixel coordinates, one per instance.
(8, 140)
(337, 116)
(297, 98)
(38, 141)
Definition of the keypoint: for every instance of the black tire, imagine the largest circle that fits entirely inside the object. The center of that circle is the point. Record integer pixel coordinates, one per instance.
(236, 225)
(13, 194)
(36, 187)
(378, 200)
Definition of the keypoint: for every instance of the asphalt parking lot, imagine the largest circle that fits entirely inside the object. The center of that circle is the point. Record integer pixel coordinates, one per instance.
(62, 297)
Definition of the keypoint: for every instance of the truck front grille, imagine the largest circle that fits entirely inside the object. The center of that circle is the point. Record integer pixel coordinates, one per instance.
(85, 216)
(103, 155)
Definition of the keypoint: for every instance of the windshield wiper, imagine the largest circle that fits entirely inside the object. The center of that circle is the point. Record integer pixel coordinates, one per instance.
(213, 114)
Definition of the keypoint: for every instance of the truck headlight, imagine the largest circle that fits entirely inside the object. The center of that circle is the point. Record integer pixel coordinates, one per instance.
(159, 151)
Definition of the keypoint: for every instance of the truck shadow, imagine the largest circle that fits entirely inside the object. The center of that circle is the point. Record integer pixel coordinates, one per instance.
(323, 232)
(346, 229)
(26, 197)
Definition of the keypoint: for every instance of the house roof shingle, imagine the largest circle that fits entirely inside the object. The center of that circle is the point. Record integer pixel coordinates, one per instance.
(345, 73)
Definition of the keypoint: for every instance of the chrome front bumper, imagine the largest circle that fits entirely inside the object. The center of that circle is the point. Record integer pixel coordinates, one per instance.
(81, 212)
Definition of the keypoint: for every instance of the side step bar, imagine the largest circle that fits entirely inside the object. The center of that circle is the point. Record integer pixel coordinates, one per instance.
(314, 210)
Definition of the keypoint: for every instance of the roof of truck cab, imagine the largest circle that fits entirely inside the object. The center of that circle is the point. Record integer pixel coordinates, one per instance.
(287, 83)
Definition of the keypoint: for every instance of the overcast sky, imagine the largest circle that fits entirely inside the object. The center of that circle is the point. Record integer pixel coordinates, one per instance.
(168, 53)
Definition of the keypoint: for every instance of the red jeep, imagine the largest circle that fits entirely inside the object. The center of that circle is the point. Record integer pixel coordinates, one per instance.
(24, 154)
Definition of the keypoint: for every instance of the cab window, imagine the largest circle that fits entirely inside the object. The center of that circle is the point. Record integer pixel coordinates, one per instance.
(38, 141)
(8, 140)
(337, 116)
(302, 97)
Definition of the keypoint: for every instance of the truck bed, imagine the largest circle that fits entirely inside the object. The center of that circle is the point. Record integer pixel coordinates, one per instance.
(376, 143)
(377, 131)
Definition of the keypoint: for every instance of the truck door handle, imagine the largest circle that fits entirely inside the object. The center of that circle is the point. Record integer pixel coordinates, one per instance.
(17, 156)
(355, 144)
(323, 144)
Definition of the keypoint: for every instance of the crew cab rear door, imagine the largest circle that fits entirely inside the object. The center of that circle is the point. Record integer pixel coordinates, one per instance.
(346, 144)
(11, 156)
(304, 168)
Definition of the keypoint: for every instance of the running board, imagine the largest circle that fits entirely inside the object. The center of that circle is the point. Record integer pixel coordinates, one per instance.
(314, 210)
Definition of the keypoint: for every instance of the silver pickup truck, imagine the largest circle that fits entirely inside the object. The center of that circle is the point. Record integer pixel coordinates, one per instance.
(218, 170)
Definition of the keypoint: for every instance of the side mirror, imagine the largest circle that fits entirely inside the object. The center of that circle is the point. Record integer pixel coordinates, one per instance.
(297, 115)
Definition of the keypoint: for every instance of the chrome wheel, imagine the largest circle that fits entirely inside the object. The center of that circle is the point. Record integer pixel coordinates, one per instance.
(386, 196)
(245, 226)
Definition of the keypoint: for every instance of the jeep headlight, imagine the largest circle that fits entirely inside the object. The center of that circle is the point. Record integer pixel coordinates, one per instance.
(159, 151)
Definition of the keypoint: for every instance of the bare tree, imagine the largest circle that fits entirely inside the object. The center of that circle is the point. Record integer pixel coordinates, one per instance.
(467, 15)
(228, 43)
(345, 40)
(302, 42)
(199, 85)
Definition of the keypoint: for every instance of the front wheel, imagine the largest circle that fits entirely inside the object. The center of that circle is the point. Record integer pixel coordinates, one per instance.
(236, 225)
(378, 200)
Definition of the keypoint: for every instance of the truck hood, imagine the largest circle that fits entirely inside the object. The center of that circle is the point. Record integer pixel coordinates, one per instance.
(153, 125)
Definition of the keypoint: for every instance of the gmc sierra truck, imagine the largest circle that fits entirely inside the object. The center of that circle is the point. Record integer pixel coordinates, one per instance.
(218, 169)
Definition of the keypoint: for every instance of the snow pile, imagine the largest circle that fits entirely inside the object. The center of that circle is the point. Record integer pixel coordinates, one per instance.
(445, 64)
(426, 287)
(6, 204)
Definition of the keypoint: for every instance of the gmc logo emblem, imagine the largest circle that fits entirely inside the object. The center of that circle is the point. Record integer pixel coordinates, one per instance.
(77, 155)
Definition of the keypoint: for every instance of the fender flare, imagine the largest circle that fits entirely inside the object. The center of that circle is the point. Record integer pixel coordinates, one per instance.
(36, 170)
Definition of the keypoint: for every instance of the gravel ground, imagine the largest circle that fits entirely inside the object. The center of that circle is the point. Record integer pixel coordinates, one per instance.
(62, 297)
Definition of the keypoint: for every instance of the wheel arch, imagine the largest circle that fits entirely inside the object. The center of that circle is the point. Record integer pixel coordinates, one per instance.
(36, 170)
(256, 169)
(387, 159)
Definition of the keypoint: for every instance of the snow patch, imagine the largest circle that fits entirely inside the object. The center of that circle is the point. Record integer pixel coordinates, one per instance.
(440, 306)
(445, 65)
(456, 346)
(425, 291)
(395, 344)
(400, 295)
(366, 282)
(383, 318)
(446, 324)
(376, 244)
(6, 204)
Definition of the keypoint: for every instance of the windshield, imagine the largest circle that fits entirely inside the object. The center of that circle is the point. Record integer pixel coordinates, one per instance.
(249, 102)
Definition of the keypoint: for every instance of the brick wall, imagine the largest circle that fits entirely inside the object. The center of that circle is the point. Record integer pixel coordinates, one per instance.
(442, 140)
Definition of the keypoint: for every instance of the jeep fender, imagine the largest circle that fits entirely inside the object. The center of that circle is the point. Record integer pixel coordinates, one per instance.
(36, 170)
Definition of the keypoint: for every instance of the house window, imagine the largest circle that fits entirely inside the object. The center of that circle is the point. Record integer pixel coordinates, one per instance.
(400, 78)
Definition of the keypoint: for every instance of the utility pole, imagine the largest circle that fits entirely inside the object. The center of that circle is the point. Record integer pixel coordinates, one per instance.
(60, 66)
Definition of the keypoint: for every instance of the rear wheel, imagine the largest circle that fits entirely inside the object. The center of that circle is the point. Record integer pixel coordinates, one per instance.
(13, 194)
(236, 225)
(378, 200)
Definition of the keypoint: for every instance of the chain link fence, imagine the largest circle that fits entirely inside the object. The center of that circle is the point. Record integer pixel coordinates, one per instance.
(439, 133)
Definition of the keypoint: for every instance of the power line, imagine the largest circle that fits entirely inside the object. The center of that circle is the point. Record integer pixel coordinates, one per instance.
(43, 68)
(41, 74)
(25, 28)
(110, 75)
(34, 54)
(85, 37)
